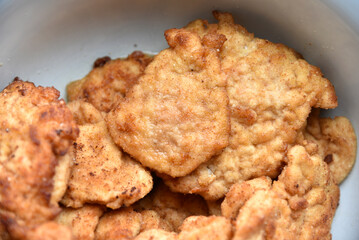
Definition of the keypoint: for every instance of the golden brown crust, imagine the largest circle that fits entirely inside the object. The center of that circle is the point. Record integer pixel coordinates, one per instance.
(157, 234)
(152, 220)
(172, 207)
(271, 91)
(299, 205)
(176, 117)
(127, 223)
(119, 224)
(194, 228)
(62, 176)
(109, 82)
(335, 141)
(50, 231)
(101, 173)
(201, 227)
(238, 194)
(82, 221)
(37, 130)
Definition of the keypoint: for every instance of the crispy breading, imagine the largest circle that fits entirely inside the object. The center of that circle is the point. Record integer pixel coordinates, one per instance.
(194, 228)
(156, 234)
(82, 221)
(152, 220)
(238, 194)
(62, 176)
(50, 231)
(36, 132)
(176, 117)
(101, 173)
(206, 228)
(299, 205)
(109, 81)
(336, 142)
(172, 207)
(119, 224)
(271, 91)
(126, 223)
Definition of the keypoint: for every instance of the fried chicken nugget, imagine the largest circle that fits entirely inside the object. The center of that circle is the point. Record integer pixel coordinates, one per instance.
(176, 117)
(172, 207)
(271, 91)
(336, 142)
(101, 173)
(126, 223)
(300, 205)
(82, 221)
(240, 193)
(36, 133)
(109, 81)
(194, 228)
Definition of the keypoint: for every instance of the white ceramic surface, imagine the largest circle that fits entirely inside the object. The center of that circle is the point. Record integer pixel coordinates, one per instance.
(54, 42)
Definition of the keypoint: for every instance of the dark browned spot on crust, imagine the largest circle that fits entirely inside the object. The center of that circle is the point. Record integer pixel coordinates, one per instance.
(244, 115)
(182, 39)
(16, 79)
(86, 94)
(298, 204)
(34, 135)
(100, 62)
(141, 58)
(136, 54)
(214, 40)
(329, 158)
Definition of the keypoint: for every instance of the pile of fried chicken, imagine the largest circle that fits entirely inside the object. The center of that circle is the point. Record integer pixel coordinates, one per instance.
(218, 136)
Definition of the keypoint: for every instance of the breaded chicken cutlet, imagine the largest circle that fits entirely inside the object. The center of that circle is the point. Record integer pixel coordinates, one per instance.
(194, 228)
(161, 209)
(109, 81)
(82, 221)
(271, 90)
(172, 207)
(37, 131)
(334, 140)
(299, 205)
(102, 173)
(176, 117)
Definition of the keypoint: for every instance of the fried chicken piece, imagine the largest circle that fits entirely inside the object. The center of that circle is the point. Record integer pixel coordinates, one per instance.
(101, 173)
(238, 194)
(120, 224)
(271, 91)
(194, 228)
(336, 142)
(299, 205)
(109, 81)
(37, 130)
(172, 207)
(82, 221)
(201, 227)
(126, 223)
(152, 220)
(50, 231)
(176, 117)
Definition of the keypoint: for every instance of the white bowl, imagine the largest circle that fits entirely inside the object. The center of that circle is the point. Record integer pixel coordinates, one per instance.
(54, 42)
